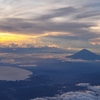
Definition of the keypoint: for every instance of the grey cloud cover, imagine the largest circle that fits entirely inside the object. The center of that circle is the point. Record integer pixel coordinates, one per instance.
(43, 24)
(25, 26)
(57, 13)
(33, 17)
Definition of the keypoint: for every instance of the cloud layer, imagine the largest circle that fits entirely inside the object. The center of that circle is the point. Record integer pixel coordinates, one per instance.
(93, 93)
(64, 20)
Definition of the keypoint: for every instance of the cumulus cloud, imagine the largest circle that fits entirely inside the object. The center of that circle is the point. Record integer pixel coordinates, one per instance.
(88, 95)
(94, 88)
(92, 93)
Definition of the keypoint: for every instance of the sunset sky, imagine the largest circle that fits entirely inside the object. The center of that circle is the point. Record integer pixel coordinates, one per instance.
(63, 24)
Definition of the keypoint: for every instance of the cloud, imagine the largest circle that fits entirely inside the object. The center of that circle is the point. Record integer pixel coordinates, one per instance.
(22, 26)
(93, 88)
(88, 95)
(83, 84)
(95, 41)
(30, 50)
(72, 19)
(57, 13)
(93, 93)
(88, 13)
(43, 24)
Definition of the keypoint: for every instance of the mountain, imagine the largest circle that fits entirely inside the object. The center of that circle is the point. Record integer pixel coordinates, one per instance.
(85, 55)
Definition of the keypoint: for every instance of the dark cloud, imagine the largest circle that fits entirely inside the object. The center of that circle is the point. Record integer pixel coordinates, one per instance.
(43, 24)
(57, 13)
(18, 25)
(31, 50)
(79, 30)
(87, 14)
(25, 26)
(74, 13)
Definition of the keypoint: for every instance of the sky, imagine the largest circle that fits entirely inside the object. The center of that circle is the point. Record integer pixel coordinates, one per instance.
(66, 24)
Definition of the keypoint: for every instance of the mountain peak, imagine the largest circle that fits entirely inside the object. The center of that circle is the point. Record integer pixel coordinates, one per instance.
(85, 50)
(85, 55)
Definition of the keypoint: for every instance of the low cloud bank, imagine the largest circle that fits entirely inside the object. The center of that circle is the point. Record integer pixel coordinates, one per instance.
(91, 93)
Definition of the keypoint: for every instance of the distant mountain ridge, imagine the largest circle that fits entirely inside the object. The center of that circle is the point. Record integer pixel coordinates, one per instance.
(85, 55)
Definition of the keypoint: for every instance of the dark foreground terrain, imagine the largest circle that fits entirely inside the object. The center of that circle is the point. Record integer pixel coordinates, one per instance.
(51, 78)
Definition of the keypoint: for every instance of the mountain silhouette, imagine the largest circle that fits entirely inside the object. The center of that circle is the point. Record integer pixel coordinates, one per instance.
(85, 55)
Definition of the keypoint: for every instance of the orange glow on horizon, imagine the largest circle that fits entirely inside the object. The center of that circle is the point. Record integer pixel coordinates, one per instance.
(13, 38)
(20, 40)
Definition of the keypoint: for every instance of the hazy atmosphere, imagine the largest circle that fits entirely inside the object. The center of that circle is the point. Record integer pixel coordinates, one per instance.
(49, 50)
